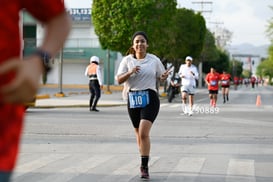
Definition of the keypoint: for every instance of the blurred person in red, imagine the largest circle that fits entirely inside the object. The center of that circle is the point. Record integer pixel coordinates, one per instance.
(253, 81)
(225, 84)
(20, 77)
(236, 82)
(212, 80)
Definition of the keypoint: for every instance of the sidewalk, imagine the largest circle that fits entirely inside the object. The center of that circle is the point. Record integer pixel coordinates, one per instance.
(51, 95)
(80, 100)
(78, 96)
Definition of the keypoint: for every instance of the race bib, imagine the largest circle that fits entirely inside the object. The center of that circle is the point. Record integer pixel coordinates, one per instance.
(138, 99)
(225, 82)
(213, 83)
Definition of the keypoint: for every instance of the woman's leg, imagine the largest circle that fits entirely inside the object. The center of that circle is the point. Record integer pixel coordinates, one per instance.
(92, 95)
(227, 93)
(144, 137)
(137, 139)
(145, 145)
(215, 100)
(224, 94)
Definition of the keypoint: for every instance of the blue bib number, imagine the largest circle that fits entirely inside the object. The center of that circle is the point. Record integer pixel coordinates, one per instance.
(138, 99)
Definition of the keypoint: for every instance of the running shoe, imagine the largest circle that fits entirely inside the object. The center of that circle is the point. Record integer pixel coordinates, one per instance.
(211, 102)
(190, 112)
(144, 173)
(183, 114)
(184, 111)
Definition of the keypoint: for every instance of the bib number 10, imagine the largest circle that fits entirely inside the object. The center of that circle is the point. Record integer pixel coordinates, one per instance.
(138, 99)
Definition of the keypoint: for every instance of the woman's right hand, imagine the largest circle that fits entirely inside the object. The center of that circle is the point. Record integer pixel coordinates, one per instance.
(135, 70)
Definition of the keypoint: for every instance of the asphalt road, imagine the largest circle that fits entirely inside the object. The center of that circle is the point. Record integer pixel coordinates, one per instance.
(229, 143)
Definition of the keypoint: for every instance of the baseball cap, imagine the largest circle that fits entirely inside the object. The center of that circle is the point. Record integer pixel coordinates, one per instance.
(188, 58)
(94, 59)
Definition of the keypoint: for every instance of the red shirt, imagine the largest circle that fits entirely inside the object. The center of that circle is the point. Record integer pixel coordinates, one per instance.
(213, 79)
(236, 80)
(253, 79)
(11, 115)
(225, 79)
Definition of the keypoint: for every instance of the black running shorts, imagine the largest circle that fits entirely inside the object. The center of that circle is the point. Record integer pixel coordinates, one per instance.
(149, 112)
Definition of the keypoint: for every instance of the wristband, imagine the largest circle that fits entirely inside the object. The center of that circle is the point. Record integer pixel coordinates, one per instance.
(45, 58)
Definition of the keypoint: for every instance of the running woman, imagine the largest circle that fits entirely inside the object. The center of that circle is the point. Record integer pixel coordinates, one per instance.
(140, 71)
(225, 84)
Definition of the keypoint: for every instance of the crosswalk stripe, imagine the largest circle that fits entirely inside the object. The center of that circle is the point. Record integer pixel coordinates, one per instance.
(190, 165)
(38, 163)
(163, 105)
(130, 170)
(242, 169)
(127, 168)
(187, 167)
(175, 105)
(77, 168)
(134, 164)
(171, 105)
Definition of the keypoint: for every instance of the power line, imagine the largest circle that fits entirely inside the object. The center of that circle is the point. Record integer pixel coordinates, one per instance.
(203, 4)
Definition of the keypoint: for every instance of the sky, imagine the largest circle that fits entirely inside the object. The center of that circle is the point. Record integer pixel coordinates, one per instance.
(246, 19)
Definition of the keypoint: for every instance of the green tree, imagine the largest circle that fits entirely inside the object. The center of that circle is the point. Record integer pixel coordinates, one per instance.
(187, 34)
(265, 68)
(116, 20)
(219, 60)
(246, 73)
(270, 28)
(237, 68)
(209, 51)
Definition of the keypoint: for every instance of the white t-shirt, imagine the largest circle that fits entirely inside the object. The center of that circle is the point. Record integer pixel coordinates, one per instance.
(189, 79)
(151, 68)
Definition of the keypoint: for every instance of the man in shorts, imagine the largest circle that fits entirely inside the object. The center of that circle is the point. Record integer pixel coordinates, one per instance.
(189, 74)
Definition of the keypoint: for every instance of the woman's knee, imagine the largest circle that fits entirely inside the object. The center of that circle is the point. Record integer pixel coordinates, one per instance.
(143, 134)
(144, 129)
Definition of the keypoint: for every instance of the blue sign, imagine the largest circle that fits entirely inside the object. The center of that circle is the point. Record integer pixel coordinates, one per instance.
(80, 15)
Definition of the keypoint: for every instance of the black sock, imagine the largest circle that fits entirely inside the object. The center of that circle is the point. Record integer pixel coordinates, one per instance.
(144, 161)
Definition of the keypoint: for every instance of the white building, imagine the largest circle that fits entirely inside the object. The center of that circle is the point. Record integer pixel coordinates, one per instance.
(82, 43)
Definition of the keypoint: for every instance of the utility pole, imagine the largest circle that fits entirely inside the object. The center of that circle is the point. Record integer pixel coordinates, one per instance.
(202, 10)
(108, 91)
(203, 4)
(217, 32)
(60, 93)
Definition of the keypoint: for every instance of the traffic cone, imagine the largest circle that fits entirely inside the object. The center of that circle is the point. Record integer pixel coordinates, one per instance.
(258, 101)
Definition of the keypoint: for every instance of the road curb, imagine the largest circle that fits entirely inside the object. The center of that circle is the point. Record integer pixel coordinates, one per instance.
(75, 106)
(42, 96)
